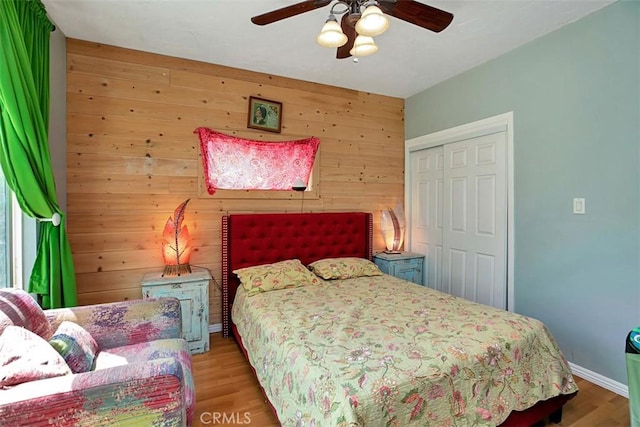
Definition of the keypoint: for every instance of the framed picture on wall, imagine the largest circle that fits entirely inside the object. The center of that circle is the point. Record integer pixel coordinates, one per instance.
(264, 114)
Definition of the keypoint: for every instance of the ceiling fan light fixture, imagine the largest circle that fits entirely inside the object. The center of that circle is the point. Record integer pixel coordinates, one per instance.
(360, 18)
(372, 22)
(331, 34)
(363, 46)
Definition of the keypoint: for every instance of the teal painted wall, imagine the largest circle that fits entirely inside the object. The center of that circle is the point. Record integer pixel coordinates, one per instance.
(575, 96)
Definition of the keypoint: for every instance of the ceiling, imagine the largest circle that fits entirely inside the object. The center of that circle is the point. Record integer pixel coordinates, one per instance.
(410, 58)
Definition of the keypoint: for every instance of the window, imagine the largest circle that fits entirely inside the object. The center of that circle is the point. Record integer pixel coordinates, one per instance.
(235, 167)
(5, 232)
(18, 239)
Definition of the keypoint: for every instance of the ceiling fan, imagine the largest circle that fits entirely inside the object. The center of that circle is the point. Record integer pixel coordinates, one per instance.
(361, 21)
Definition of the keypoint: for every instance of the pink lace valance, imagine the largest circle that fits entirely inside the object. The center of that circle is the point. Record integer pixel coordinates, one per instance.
(232, 163)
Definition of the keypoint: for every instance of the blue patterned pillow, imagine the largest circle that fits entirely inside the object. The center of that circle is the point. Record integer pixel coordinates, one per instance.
(75, 345)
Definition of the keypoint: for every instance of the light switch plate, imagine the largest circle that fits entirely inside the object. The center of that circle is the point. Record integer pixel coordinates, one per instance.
(579, 207)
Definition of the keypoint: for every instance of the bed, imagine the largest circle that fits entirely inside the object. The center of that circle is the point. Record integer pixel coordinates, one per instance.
(377, 350)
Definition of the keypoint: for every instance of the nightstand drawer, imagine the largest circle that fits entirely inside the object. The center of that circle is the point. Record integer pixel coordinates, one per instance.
(405, 265)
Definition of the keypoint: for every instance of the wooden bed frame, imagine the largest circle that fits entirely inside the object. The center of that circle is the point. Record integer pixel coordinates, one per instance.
(254, 239)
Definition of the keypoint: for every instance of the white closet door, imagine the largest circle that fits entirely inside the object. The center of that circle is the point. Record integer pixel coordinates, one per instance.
(474, 225)
(426, 214)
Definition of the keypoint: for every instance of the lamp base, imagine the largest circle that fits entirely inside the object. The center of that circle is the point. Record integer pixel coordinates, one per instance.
(176, 270)
(392, 252)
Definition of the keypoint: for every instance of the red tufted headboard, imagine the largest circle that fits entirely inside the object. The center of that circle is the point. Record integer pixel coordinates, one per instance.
(266, 238)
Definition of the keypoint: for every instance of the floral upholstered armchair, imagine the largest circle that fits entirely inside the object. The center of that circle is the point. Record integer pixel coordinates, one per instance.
(121, 363)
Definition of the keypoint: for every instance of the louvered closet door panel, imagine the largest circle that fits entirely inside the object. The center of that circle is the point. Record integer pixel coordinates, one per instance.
(426, 227)
(474, 223)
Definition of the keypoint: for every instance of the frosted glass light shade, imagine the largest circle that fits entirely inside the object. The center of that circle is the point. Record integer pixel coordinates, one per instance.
(392, 226)
(363, 46)
(372, 23)
(331, 34)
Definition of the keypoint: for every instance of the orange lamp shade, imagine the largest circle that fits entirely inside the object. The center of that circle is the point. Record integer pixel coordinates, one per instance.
(176, 244)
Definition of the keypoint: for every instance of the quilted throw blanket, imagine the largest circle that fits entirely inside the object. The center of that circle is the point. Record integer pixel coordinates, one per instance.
(379, 351)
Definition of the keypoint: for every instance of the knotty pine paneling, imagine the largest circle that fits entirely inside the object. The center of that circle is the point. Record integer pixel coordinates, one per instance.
(132, 157)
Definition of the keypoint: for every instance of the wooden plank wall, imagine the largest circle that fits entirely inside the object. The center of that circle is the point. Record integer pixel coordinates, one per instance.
(132, 157)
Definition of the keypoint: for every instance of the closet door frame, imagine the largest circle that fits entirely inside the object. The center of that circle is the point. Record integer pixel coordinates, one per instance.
(502, 122)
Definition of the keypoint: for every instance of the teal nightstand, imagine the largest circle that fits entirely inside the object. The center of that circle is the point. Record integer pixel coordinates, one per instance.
(192, 290)
(405, 265)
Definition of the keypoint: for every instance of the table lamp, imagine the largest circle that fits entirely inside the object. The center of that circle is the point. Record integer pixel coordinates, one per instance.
(392, 227)
(176, 244)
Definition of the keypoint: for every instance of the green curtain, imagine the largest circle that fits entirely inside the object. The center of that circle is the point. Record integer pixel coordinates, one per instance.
(24, 146)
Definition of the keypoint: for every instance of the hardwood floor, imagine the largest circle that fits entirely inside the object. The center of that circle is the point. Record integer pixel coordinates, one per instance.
(228, 394)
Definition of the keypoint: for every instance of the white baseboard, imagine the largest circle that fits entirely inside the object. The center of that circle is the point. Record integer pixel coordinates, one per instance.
(216, 327)
(600, 380)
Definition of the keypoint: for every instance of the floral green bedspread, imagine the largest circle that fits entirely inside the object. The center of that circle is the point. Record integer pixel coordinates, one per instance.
(379, 351)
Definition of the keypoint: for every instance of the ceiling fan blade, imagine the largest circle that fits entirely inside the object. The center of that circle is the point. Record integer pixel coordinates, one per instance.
(288, 11)
(349, 29)
(417, 13)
